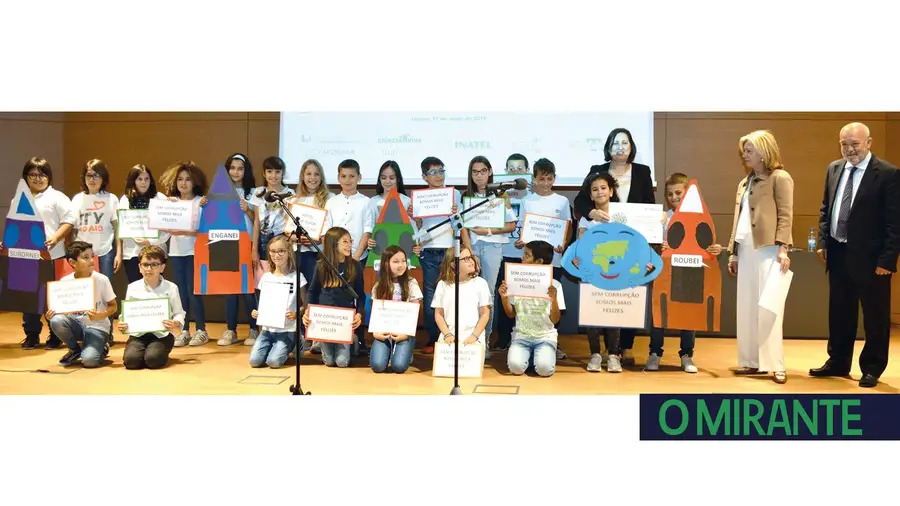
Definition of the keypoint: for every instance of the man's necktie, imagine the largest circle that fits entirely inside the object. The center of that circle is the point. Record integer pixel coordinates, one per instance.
(846, 202)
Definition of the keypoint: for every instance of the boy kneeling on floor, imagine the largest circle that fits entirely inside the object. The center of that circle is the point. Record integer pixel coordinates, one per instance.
(151, 350)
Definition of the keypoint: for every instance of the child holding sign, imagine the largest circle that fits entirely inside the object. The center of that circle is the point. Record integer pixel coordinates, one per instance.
(394, 283)
(275, 342)
(326, 289)
(91, 328)
(140, 187)
(185, 181)
(534, 337)
(151, 349)
(474, 300)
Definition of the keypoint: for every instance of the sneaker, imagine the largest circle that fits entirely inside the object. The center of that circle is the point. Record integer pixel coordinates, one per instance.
(316, 348)
(652, 363)
(251, 340)
(70, 358)
(31, 342)
(627, 357)
(183, 339)
(596, 363)
(614, 364)
(687, 363)
(54, 343)
(228, 338)
(560, 354)
(200, 338)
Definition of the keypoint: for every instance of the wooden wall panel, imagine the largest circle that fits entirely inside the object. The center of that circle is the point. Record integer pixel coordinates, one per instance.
(262, 143)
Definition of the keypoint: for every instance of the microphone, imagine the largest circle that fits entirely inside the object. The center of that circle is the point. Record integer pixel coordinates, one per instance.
(516, 184)
(271, 196)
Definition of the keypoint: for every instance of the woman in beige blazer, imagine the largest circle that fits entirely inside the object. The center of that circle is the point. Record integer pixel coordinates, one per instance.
(760, 237)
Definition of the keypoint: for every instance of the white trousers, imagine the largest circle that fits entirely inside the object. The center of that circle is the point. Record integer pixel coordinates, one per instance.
(759, 332)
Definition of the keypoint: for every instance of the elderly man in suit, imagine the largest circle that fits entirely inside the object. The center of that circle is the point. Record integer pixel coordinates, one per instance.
(859, 240)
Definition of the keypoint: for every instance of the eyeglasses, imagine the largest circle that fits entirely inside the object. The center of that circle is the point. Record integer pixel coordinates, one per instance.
(467, 259)
(150, 266)
(436, 172)
(37, 175)
(279, 252)
(481, 172)
(92, 177)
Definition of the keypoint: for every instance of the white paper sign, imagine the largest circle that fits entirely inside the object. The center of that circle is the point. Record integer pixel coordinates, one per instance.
(71, 295)
(27, 254)
(330, 324)
(144, 316)
(679, 260)
(223, 235)
(537, 227)
(394, 317)
(273, 304)
(645, 218)
(471, 360)
(433, 202)
(172, 215)
(490, 215)
(626, 308)
(775, 292)
(134, 224)
(311, 218)
(527, 280)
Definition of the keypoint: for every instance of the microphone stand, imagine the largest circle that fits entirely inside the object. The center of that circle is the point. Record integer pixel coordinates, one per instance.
(456, 223)
(300, 231)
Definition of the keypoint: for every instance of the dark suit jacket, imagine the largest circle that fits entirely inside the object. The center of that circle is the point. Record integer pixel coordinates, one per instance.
(641, 191)
(873, 229)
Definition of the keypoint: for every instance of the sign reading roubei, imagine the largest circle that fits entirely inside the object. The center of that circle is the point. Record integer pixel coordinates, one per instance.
(870, 417)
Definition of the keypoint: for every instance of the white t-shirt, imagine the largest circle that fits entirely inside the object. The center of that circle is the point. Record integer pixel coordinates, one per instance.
(308, 200)
(494, 238)
(183, 245)
(509, 249)
(473, 295)
(97, 215)
(103, 293)
(271, 277)
(349, 213)
(249, 199)
(55, 209)
(415, 293)
(553, 205)
(130, 249)
(140, 290)
(442, 237)
(533, 316)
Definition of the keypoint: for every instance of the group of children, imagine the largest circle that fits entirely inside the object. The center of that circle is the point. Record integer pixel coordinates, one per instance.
(526, 326)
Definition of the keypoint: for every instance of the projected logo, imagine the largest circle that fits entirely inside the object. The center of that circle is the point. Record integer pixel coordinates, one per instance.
(479, 145)
(402, 139)
(532, 145)
(312, 153)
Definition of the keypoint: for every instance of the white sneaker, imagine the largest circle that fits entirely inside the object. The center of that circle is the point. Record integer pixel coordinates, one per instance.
(652, 363)
(596, 363)
(687, 363)
(183, 339)
(200, 338)
(560, 354)
(614, 364)
(250, 341)
(228, 338)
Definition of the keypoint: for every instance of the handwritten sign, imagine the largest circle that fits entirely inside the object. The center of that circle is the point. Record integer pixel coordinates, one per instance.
(71, 295)
(471, 360)
(645, 218)
(311, 218)
(223, 235)
(134, 224)
(172, 215)
(679, 260)
(394, 317)
(528, 280)
(490, 215)
(330, 324)
(433, 202)
(273, 304)
(536, 227)
(145, 316)
(626, 308)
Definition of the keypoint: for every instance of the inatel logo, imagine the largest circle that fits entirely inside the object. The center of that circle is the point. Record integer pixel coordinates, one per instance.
(472, 145)
(402, 139)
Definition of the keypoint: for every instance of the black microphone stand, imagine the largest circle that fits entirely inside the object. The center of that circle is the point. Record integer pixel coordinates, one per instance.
(456, 223)
(300, 231)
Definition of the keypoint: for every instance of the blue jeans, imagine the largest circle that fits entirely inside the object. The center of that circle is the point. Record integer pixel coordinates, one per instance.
(398, 354)
(490, 254)
(336, 354)
(430, 260)
(107, 262)
(72, 331)
(232, 303)
(183, 272)
(272, 349)
(541, 353)
(687, 342)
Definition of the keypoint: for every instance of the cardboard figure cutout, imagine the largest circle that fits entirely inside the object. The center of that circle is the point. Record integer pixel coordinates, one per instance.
(393, 228)
(688, 293)
(223, 262)
(25, 265)
(612, 256)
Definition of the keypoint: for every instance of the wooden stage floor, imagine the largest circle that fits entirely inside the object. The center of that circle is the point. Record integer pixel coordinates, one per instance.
(213, 369)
